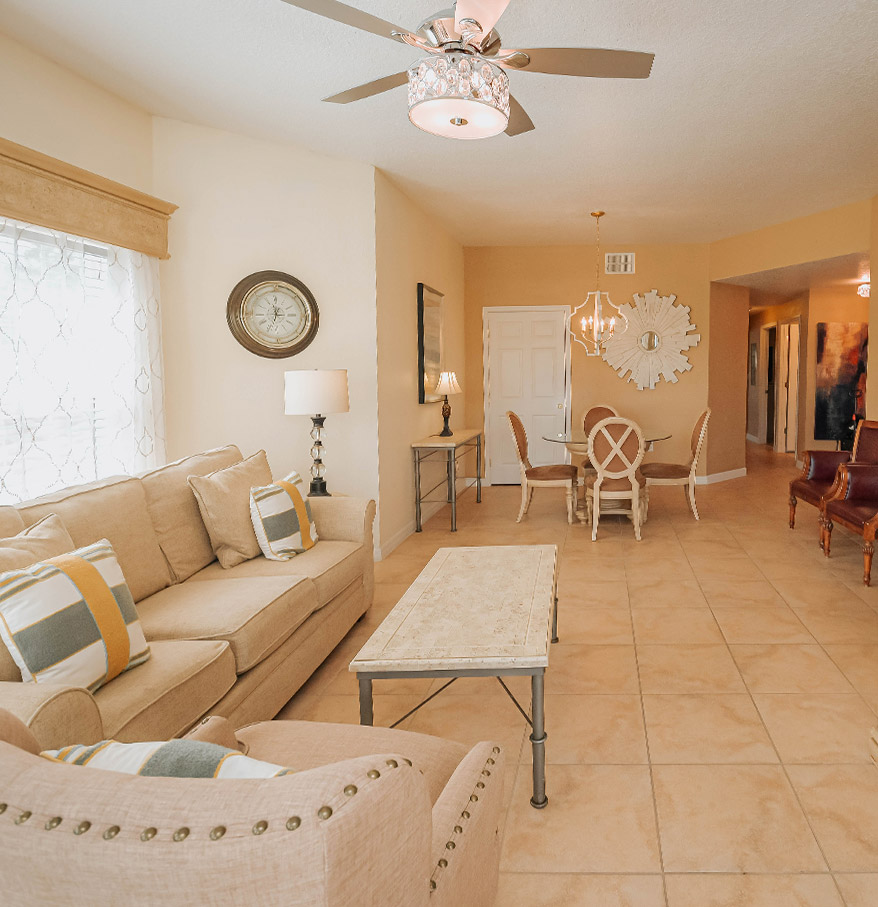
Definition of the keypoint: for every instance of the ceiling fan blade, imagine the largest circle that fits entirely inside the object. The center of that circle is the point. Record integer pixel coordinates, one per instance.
(369, 89)
(347, 15)
(485, 12)
(594, 62)
(519, 121)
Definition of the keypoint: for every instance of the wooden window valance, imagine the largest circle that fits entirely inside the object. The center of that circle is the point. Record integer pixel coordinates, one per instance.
(42, 190)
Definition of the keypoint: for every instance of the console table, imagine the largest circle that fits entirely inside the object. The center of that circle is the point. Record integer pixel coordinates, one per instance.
(451, 448)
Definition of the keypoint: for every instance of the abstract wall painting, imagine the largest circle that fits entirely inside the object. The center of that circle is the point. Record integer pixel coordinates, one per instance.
(842, 354)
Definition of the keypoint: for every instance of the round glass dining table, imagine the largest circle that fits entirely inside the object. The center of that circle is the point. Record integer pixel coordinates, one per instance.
(577, 440)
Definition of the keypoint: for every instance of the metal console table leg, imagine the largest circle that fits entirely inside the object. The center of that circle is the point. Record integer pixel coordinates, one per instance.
(417, 454)
(366, 716)
(478, 469)
(538, 741)
(452, 488)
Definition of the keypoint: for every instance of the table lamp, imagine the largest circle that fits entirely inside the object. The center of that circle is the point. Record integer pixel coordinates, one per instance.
(447, 385)
(314, 393)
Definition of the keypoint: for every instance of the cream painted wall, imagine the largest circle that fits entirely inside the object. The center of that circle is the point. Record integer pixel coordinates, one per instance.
(562, 275)
(727, 382)
(410, 247)
(826, 234)
(50, 109)
(245, 206)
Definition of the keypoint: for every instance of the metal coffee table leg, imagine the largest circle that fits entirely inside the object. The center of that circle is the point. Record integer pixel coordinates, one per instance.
(365, 700)
(538, 742)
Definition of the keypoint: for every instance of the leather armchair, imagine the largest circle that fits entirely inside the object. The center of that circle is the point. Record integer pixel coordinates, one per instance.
(819, 468)
(854, 504)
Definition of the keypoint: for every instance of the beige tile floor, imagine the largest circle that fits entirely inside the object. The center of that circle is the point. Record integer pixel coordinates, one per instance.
(708, 705)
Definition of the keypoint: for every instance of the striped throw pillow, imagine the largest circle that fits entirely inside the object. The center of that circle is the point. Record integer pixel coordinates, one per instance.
(168, 759)
(71, 619)
(282, 519)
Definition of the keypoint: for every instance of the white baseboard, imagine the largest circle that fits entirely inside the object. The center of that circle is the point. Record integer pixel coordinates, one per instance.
(427, 511)
(721, 476)
(754, 439)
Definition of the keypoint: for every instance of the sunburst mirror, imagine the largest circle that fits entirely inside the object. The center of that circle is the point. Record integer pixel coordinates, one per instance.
(655, 344)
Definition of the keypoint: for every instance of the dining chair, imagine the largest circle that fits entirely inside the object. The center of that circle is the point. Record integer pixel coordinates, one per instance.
(561, 475)
(680, 473)
(590, 418)
(615, 449)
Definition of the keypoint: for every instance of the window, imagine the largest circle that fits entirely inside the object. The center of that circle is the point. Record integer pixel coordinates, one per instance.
(80, 361)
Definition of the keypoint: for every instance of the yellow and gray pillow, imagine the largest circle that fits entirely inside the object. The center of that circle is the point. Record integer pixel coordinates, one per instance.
(282, 519)
(71, 619)
(167, 759)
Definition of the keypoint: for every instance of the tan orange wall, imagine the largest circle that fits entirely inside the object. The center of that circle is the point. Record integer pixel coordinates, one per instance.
(838, 231)
(410, 247)
(562, 275)
(727, 377)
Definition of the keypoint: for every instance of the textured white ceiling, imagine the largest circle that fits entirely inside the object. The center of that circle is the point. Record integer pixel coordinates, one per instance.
(756, 112)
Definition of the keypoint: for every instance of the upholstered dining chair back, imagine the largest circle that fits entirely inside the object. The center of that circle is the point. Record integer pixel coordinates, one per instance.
(519, 436)
(616, 447)
(865, 442)
(699, 433)
(595, 414)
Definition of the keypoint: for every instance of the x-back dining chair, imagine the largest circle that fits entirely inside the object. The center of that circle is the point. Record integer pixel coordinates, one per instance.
(615, 448)
(590, 418)
(679, 473)
(562, 475)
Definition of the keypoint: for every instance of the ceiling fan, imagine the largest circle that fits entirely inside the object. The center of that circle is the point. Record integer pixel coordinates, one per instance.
(460, 89)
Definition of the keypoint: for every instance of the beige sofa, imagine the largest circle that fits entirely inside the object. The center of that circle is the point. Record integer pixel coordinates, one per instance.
(373, 818)
(236, 643)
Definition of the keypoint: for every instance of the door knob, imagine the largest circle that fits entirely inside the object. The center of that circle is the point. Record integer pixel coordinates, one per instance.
(560, 406)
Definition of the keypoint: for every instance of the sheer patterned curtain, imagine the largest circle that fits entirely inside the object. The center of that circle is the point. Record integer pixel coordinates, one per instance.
(80, 361)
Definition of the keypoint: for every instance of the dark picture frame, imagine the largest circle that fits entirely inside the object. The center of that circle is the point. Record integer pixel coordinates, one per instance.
(429, 342)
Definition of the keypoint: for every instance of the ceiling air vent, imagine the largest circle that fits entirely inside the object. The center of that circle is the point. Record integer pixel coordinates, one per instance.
(619, 263)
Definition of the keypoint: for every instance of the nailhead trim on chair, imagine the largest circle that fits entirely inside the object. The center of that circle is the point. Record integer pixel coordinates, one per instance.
(459, 829)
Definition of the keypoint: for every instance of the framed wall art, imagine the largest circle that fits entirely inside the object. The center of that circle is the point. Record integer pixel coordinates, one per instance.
(429, 343)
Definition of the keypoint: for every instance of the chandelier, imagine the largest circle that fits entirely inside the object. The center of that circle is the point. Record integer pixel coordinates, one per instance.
(864, 290)
(459, 96)
(596, 325)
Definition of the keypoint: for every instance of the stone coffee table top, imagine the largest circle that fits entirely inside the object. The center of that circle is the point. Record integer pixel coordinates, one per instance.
(469, 609)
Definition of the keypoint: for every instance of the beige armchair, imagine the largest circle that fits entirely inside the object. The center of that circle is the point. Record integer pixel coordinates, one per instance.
(371, 817)
(679, 473)
(615, 449)
(561, 475)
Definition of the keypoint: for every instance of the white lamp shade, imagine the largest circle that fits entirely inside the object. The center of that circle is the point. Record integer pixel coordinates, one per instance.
(447, 384)
(316, 392)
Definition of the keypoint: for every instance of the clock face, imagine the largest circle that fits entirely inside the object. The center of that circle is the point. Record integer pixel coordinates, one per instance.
(272, 314)
(275, 314)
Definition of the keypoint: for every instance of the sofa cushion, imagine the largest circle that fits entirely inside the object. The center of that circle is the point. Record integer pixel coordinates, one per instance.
(165, 696)
(46, 538)
(114, 509)
(224, 502)
(174, 511)
(253, 615)
(331, 565)
(11, 522)
(167, 759)
(71, 619)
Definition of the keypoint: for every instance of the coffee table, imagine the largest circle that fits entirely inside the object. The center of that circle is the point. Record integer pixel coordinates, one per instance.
(472, 612)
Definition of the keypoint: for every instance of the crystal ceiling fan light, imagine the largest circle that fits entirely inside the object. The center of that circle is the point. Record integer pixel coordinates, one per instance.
(458, 96)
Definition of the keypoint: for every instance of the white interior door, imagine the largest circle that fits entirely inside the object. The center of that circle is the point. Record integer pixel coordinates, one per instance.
(781, 385)
(793, 388)
(526, 371)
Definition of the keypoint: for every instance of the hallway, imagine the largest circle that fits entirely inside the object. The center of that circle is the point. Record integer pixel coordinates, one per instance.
(708, 706)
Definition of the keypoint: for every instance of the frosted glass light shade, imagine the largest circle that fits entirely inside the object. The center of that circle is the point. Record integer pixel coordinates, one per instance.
(459, 96)
(316, 391)
(448, 384)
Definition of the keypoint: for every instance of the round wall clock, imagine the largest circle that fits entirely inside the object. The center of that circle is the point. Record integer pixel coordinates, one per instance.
(272, 314)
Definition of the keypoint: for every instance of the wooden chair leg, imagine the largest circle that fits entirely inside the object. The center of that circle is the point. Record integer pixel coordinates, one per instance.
(524, 497)
(792, 512)
(690, 489)
(827, 535)
(570, 503)
(595, 515)
(635, 513)
(868, 551)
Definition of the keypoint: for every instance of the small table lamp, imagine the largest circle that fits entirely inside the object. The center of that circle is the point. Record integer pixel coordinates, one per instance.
(316, 391)
(447, 385)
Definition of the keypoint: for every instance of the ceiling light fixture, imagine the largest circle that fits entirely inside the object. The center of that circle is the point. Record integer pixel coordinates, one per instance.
(595, 326)
(459, 96)
(864, 290)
